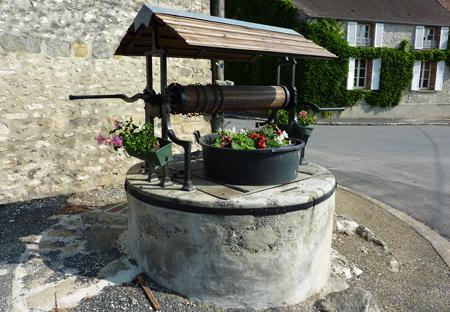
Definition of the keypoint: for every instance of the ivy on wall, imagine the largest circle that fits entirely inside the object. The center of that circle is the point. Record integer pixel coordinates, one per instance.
(320, 81)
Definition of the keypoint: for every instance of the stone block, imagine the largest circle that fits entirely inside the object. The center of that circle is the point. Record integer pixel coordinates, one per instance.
(186, 72)
(102, 49)
(352, 299)
(4, 130)
(42, 144)
(23, 5)
(80, 49)
(57, 48)
(13, 116)
(13, 43)
(84, 122)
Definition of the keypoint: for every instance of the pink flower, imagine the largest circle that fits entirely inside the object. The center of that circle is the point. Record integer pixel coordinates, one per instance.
(303, 114)
(101, 139)
(116, 141)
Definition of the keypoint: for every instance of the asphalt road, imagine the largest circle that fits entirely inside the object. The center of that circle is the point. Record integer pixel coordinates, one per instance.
(406, 167)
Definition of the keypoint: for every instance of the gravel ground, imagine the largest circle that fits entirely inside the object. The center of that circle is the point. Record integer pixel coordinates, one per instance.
(18, 220)
(422, 283)
(101, 197)
(129, 297)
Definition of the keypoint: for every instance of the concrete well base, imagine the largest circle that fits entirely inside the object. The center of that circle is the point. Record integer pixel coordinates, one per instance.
(235, 259)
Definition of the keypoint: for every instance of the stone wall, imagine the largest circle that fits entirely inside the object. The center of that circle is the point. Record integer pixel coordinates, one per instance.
(50, 49)
(394, 34)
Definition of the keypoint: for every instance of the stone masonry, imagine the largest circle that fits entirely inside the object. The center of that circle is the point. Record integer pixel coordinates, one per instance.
(51, 49)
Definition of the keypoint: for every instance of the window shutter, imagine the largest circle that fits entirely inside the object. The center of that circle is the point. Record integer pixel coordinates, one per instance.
(420, 32)
(376, 73)
(443, 42)
(351, 74)
(439, 76)
(352, 28)
(416, 76)
(378, 38)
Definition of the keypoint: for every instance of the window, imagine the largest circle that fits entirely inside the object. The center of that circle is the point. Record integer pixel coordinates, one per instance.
(429, 38)
(425, 73)
(363, 35)
(364, 74)
(428, 76)
(360, 80)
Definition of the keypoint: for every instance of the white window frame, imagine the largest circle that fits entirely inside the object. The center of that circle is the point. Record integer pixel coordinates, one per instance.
(358, 76)
(425, 75)
(363, 35)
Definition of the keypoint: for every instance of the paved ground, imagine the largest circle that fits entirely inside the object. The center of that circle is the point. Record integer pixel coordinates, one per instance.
(68, 252)
(407, 167)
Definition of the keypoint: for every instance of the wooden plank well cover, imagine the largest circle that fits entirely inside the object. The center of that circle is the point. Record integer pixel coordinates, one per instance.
(191, 35)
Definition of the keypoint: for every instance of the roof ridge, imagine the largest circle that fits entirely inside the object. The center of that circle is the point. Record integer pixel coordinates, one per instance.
(445, 4)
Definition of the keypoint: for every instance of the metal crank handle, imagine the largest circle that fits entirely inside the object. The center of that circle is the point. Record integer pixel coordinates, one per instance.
(134, 98)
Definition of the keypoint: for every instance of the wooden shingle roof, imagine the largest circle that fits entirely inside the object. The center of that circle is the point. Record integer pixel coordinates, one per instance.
(191, 35)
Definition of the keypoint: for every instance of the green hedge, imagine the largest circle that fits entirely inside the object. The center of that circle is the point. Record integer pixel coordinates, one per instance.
(324, 82)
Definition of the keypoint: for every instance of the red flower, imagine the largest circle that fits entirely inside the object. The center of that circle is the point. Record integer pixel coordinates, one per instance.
(261, 141)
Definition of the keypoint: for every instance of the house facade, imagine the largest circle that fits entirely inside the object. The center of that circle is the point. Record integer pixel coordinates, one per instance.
(381, 23)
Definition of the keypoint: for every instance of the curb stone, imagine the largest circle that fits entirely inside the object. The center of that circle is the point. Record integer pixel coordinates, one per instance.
(439, 243)
(349, 122)
(406, 123)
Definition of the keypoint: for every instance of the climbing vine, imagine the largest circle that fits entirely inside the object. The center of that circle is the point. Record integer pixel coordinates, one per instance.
(320, 81)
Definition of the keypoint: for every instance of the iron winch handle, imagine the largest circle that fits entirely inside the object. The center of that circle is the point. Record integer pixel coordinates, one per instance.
(128, 99)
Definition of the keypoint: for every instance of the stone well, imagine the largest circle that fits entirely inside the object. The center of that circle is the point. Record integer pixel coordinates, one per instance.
(234, 246)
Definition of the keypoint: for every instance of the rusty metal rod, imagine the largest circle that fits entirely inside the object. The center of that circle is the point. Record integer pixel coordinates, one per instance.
(129, 99)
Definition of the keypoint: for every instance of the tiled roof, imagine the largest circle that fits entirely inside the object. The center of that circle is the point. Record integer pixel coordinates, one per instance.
(416, 12)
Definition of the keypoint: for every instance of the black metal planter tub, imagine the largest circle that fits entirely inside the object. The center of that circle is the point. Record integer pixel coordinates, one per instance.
(268, 166)
(237, 228)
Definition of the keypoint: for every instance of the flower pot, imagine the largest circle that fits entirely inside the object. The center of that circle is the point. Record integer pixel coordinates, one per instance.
(305, 133)
(302, 133)
(267, 166)
(159, 157)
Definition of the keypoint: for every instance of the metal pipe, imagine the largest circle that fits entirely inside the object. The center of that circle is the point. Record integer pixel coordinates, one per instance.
(149, 87)
(217, 8)
(166, 108)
